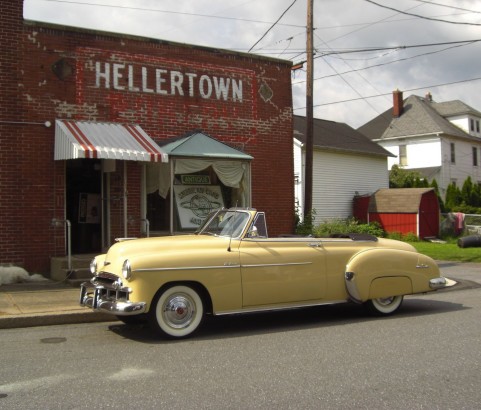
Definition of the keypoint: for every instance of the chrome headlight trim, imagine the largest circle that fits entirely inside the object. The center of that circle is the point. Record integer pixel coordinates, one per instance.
(126, 270)
(93, 266)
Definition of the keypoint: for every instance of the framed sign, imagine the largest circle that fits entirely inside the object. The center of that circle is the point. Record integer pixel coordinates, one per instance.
(89, 209)
(194, 203)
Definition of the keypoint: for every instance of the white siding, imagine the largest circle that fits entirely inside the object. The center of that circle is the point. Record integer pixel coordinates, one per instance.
(424, 154)
(461, 122)
(298, 175)
(338, 177)
(463, 167)
(420, 153)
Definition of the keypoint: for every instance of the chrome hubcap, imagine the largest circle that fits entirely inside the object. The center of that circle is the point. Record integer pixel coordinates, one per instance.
(385, 301)
(179, 311)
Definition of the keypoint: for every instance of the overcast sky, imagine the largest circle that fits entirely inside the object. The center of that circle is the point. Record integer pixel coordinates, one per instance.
(345, 81)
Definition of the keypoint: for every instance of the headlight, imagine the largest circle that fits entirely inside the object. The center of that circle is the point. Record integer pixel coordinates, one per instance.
(126, 270)
(93, 266)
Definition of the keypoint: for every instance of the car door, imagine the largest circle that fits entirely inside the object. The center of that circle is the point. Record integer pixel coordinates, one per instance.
(278, 271)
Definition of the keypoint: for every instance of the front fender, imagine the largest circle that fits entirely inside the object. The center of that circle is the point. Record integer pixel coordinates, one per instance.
(377, 273)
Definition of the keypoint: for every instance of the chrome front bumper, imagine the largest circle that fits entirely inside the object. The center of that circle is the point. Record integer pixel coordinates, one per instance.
(107, 298)
(441, 283)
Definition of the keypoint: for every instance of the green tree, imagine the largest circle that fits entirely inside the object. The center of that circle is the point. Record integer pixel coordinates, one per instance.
(453, 197)
(476, 195)
(467, 191)
(434, 184)
(404, 178)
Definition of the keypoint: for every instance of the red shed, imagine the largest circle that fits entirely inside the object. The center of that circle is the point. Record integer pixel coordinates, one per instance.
(406, 210)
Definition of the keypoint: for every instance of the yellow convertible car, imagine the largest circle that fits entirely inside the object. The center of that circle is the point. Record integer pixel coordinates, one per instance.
(231, 265)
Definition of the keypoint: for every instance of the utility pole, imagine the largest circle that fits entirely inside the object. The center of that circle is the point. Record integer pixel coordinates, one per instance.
(309, 114)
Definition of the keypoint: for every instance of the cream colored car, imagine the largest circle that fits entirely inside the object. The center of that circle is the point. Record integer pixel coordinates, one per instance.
(231, 265)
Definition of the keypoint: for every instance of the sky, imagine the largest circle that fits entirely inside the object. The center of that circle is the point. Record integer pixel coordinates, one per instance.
(364, 49)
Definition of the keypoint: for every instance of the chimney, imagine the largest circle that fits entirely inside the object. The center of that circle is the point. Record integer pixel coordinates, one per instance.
(429, 97)
(397, 105)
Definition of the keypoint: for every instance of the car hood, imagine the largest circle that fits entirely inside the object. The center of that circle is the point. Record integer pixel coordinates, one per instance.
(148, 249)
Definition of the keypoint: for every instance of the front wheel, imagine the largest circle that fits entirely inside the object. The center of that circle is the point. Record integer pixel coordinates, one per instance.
(177, 312)
(384, 306)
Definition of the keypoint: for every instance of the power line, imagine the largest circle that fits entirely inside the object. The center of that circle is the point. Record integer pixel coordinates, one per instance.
(390, 62)
(448, 6)
(347, 82)
(385, 94)
(272, 26)
(372, 49)
(168, 12)
(422, 17)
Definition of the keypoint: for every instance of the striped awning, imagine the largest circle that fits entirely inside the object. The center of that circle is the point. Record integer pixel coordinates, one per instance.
(86, 139)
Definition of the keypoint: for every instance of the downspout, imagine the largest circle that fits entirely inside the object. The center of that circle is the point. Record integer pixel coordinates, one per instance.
(125, 199)
(172, 168)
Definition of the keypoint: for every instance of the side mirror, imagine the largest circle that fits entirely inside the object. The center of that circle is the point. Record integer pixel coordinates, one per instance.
(253, 233)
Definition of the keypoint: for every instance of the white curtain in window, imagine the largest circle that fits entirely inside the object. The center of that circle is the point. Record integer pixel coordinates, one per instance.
(157, 178)
(231, 173)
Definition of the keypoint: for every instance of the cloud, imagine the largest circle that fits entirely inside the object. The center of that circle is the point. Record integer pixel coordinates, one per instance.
(341, 25)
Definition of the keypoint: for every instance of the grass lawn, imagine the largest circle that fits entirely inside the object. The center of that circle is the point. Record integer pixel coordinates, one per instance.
(448, 251)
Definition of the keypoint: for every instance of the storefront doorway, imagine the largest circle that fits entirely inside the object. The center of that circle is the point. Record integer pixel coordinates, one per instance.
(84, 209)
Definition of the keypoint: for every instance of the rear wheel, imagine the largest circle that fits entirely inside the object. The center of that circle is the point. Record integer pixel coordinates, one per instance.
(384, 306)
(177, 312)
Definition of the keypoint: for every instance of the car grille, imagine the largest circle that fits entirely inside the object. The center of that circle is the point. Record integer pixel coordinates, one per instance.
(109, 287)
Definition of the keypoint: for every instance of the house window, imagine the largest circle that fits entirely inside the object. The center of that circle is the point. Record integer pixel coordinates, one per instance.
(477, 126)
(472, 124)
(453, 153)
(475, 157)
(403, 156)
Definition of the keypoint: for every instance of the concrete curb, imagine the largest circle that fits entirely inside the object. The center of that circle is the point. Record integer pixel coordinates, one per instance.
(49, 319)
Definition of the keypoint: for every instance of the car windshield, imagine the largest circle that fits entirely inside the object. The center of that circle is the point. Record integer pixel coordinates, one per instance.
(225, 223)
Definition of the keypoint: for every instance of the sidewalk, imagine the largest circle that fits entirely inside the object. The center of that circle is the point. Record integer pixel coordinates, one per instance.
(52, 303)
(43, 303)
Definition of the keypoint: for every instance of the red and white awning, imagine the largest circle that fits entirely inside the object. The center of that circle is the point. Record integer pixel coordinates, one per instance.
(86, 139)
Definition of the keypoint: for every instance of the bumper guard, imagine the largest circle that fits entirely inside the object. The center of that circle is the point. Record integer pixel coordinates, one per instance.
(441, 283)
(108, 299)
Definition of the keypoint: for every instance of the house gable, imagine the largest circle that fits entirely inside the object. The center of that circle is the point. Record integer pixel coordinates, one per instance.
(443, 138)
(345, 163)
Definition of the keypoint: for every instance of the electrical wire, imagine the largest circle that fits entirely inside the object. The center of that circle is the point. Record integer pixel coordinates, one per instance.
(385, 94)
(273, 25)
(391, 62)
(168, 12)
(347, 82)
(422, 17)
(447, 6)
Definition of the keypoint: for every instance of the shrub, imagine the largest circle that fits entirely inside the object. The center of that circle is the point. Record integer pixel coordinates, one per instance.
(407, 237)
(305, 227)
(346, 226)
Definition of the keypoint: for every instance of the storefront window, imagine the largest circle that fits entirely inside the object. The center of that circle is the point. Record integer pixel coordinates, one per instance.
(199, 187)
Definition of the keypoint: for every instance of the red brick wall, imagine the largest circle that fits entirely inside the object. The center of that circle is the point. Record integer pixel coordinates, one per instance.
(32, 184)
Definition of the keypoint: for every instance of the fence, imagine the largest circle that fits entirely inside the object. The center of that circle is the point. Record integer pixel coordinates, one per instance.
(456, 224)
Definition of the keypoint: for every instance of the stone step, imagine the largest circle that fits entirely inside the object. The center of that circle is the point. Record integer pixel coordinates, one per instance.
(59, 269)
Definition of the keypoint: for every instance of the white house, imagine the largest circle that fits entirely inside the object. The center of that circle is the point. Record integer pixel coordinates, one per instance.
(345, 164)
(441, 141)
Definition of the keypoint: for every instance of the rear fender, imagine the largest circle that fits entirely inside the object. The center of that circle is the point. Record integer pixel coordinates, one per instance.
(377, 273)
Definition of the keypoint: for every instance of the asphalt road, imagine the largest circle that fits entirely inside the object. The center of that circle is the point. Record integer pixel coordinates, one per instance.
(428, 356)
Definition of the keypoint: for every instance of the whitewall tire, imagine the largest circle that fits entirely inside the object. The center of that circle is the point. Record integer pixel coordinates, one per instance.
(384, 306)
(177, 312)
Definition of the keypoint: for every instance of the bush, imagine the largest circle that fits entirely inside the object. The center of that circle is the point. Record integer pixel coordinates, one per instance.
(407, 237)
(305, 227)
(346, 226)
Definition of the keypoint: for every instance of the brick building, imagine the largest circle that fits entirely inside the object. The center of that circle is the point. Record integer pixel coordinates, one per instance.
(97, 130)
